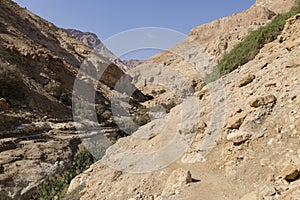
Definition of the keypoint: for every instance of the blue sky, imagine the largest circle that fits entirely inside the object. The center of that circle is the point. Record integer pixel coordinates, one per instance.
(109, 17)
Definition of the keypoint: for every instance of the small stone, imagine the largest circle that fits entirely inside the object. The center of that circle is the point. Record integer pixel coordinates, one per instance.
(261, 101)
(271, 177)
(257, 102)
(151, 197)
(89, 170)
(267, 191)
(236, 121)
(271, 141)
(290, 173)
(292, 126)
(270, 99)
(282, 188)
(270, 85)
(139, 196)
(296, 160)
(291, 151)
(246, 80)
(239, 110)
(239, 137)
(264, 162)
(279, 137)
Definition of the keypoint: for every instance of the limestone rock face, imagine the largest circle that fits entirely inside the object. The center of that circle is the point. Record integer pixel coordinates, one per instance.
(276, 6)
(213, 40)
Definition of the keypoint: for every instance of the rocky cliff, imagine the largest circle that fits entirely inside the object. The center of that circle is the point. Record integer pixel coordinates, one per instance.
(38, 66)
(245, 144)
(218, 37)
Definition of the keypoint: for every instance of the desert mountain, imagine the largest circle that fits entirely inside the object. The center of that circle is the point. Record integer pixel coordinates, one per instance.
(88, 38)
(38, 65)
(93, 41)
(245, 144)
(132, 63)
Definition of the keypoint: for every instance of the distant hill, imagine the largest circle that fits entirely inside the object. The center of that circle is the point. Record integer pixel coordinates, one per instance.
(92, 40)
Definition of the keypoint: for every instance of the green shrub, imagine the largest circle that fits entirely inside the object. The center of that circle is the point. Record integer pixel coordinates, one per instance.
(56, 187)
(55, 89)
(141, 116)
(153, 92)
(251, 45)
(169, 106)
(11, 82)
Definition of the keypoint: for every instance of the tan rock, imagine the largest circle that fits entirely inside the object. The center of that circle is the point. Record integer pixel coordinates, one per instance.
(246, 80)
(177, 181)
(236, 121)
(290, 173)
(257, 102)
(267, 191)
(239, 137)
(270, 99)
(261, 101)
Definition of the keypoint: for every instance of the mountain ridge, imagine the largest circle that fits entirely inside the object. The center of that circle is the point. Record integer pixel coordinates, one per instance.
(93, 41)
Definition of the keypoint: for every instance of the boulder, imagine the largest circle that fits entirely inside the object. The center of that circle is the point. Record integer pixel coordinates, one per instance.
(178, 179)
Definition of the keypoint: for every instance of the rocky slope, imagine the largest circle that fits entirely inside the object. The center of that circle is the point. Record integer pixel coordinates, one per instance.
(218, 37)
(39, 64)
(245, 144)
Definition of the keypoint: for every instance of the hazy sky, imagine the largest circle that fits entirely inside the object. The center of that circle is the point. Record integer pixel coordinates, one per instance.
(109, 17)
